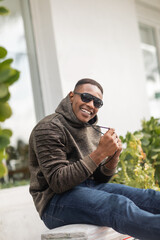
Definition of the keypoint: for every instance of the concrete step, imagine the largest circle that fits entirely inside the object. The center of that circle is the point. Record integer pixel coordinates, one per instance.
(83, 232)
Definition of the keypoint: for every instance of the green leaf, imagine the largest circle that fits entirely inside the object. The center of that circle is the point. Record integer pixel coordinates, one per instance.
(3, 52)
(14, 77)
(157, 163)
(3, 90)
(3, 170)
(157, 130)
(145, 142)
(6, 98)
(4, 74)
(139, 135)
(6, 62)
(154, 156)
(5, 111)
(156, 150)
(2, 155)
(4, 11)
(8, 75)
(146, 135)
(4, 141)
(6, 132)
(122, 139)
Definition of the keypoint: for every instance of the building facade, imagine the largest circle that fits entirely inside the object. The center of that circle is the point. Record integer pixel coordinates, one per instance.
(114, 42)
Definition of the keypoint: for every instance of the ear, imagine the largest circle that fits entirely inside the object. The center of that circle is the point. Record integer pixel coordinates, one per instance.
(71, 94)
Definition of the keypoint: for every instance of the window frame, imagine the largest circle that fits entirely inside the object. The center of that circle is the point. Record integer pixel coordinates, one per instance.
(33, 61)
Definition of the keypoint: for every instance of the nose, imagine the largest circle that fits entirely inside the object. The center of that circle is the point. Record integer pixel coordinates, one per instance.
(90, 104)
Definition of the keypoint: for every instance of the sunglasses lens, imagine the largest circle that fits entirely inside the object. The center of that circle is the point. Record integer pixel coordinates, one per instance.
(98, 103)
(86, 97)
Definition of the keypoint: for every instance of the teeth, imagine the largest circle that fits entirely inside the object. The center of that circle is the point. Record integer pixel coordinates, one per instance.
(84, 110)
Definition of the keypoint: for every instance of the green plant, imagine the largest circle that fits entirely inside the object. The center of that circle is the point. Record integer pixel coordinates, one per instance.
(134, 168)
(14, 184)
(8, 76)
(3, 10)
(150, 139)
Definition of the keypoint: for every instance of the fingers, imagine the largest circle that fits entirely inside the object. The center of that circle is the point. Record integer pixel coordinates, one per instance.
(119, 143)
(112, 135)
(110, 143)
(116, 139)
(111, 131)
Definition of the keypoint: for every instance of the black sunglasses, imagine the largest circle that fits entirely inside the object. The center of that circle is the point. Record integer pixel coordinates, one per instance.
(87, 97)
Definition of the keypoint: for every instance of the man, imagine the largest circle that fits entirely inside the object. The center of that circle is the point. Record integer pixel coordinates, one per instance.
(71, 163)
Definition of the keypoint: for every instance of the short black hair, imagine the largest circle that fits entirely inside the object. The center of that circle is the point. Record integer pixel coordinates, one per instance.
(90, 81)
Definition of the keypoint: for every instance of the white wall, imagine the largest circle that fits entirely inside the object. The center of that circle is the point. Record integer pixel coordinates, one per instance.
(99, 40)
(18, 217)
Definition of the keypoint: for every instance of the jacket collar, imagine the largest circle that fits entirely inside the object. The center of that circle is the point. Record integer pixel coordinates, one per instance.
(65, 109)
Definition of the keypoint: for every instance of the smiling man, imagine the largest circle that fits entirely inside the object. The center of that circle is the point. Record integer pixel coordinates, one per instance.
(87, 93)
(71, 163)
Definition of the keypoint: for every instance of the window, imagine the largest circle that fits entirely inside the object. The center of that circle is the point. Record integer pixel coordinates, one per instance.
(22, 121)
(148, 14)
(152, 68)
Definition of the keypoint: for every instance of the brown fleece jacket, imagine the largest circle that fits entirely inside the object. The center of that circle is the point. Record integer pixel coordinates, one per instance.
(59, 148)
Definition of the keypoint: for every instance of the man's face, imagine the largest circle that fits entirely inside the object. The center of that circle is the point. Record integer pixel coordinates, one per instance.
(85, 111)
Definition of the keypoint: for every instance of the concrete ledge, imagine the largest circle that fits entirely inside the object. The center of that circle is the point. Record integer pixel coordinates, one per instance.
(83, 232)
(19, 219)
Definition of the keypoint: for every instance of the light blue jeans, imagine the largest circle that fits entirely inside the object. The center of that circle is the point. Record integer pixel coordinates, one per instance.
(128, 210)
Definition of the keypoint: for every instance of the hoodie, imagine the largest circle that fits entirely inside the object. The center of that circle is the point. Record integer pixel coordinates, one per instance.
(59, 148)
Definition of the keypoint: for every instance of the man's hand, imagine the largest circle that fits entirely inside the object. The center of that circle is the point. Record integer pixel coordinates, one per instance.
(109, 144)
(115, 158)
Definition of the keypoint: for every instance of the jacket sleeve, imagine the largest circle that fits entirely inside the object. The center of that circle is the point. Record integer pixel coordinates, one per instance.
(49, 146)
(102, 174)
